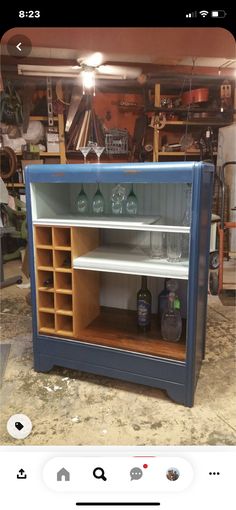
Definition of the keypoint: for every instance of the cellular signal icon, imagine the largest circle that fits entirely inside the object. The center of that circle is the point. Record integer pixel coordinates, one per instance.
(191, 14)
(203, 13)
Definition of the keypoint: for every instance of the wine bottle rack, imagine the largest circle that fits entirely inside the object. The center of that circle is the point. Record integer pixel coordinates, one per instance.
(62, 301)
(53, 263)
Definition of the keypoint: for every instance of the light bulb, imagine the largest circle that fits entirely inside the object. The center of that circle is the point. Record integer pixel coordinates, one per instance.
(88, 79)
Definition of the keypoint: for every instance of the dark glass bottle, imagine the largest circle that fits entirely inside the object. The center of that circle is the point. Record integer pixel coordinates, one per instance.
(48, 282)
(170, 285)
(162, 301)
(144, 306)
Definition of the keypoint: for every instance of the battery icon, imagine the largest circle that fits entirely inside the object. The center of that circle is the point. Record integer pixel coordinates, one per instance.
(218, 14)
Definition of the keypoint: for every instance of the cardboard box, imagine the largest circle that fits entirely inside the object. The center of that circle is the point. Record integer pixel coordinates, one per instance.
(53, 144)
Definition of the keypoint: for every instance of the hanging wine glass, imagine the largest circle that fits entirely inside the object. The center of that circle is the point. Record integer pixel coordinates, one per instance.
(98, 203)
(131, 205)
(118, 194)
(82, 202)
(85, 151)
(98, 151)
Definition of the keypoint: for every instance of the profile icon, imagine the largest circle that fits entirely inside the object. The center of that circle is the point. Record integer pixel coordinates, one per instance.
(172, 474)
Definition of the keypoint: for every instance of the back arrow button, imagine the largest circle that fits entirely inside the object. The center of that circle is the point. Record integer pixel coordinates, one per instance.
(19, 46)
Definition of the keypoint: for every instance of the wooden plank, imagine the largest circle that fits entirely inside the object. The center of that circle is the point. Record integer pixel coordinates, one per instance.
(85, 283)
(64, 333)
(46, 289)
(61, 139)
(45, 309)
(44, 246)
(62, 248)
(74, 104)
(45, 268)
(155, 144)
(118, 329)
(14, 185)
(80, 142)
(63, 291)
(46, 330)
(86, 298)
(63, 270)
(83, 240)
(41, 117)
(87, 128)
(65, 312)
(157, 99)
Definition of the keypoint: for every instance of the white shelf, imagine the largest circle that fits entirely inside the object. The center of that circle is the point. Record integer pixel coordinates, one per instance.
(144, 223)
(125, 260)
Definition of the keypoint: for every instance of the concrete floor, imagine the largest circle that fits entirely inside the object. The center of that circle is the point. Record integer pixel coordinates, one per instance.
(68, 407)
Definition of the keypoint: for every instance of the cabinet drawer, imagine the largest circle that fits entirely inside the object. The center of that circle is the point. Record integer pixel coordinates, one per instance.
(105, 361)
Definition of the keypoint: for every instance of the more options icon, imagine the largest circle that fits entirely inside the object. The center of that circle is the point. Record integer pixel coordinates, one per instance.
(136, 473)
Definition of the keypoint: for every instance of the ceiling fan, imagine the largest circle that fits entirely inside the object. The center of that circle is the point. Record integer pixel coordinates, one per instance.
(92, 64)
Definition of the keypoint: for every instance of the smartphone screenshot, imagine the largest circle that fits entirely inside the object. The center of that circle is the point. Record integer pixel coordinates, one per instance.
(118, 258)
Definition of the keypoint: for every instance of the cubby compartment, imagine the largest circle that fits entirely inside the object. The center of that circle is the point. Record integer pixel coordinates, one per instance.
(117, 329)
(46, 322)
(63, 283)
(44, 258)
(46, 301)
(61, 238)
(43, 236)
(64, 325)
(46, 280)
(109, 317)
(57, 202)
(62, 260)
(64, 303)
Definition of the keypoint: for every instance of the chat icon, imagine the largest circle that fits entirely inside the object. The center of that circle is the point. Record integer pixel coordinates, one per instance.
(136, 473)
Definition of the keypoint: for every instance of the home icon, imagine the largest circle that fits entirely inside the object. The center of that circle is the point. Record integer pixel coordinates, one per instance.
(63, 475)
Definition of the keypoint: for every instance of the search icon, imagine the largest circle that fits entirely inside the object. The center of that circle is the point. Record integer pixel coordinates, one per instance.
(98, 473)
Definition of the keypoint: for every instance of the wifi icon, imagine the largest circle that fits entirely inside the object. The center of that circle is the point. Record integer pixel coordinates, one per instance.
(204, 13)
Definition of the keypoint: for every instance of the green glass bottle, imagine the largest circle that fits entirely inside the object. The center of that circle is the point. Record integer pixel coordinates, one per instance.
(144, 307)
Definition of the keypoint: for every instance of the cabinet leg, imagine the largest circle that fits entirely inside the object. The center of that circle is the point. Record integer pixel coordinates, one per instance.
(43, 364)
(178, 395)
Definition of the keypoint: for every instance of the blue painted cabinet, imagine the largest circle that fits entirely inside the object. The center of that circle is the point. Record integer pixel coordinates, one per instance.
(86, 270)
